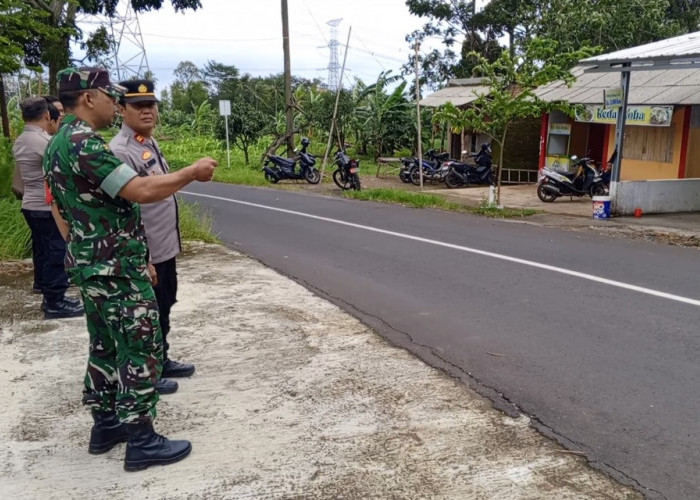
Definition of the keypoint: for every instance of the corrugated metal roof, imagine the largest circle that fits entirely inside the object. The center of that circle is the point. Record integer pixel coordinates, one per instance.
(457, 95)
(669, 86)
(680, 47)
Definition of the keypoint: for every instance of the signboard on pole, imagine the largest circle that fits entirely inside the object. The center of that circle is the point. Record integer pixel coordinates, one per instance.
(612, 98)
(224, 108)
(225, 111)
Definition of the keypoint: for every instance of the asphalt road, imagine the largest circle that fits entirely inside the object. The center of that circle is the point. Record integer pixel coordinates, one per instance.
(593, 337)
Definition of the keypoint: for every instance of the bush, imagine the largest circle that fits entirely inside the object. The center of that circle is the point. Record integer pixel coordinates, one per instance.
(16, 237)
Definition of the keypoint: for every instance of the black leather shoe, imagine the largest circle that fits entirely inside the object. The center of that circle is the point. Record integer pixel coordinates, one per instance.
(175, 369)
(67, 300)
(165, 386)
(63, 309)
(146, 447)
(107, 432)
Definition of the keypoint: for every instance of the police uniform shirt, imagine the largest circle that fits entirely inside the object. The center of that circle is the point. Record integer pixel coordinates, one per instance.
(160, 219)
(28, 150)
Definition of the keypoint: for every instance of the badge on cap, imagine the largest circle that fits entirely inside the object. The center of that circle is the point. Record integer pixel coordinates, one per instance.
(145, 155)
(143, 88)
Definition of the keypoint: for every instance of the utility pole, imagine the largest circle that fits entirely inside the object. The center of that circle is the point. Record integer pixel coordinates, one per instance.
(287, 80)
(420, 133)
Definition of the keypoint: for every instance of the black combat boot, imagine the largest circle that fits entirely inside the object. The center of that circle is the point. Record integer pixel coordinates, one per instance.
(145, 448)
(175, 369)
(106, 432)
(165, 386)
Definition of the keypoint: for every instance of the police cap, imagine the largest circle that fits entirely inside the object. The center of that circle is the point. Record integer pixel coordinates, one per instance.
(139, 91)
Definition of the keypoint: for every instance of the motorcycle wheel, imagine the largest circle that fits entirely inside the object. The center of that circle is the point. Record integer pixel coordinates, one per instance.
(597, 190)
(452, 181)
(405, 176)
(312, 176)
(544, 195)
(271, 178)
(356, 185)
(415, 177)
(338, 179)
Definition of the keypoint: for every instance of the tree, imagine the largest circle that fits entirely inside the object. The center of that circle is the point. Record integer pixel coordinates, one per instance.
(20, 26)
(60, 16)
(246, 126)
(379, 112)
(450, 20)
(189, 90)
(607, 24)
(511, 96)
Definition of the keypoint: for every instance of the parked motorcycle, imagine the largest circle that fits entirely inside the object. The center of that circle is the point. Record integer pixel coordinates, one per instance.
(285, 168)
(407, 164)
(584, 181)
(433, 168)
(346, 176)
(480, 172)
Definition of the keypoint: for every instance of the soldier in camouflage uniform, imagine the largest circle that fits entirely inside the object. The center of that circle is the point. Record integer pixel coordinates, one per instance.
(97, 195)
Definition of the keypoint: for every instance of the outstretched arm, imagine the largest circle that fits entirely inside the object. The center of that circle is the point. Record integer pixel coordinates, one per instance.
(158, 187)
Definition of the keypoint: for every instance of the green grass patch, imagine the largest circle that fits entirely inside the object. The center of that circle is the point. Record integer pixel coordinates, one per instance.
(195, 223)
(422, 200)
(16, 237)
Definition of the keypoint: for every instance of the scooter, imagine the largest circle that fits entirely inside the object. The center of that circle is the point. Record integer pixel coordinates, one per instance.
(480, 172)
(346, 176)
(284, 168)
(584, 181)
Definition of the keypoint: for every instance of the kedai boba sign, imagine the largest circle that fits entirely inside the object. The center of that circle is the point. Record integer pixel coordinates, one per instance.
(650, 116)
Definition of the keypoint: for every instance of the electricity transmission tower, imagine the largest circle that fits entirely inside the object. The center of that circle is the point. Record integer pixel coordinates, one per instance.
(333, 66)
(127, 56)
(128, 48)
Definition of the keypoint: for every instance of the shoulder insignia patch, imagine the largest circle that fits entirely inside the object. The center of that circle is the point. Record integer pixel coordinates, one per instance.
(139, 138)
(145, 155)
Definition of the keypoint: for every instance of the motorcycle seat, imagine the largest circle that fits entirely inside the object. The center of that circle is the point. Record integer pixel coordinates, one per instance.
(441, 156)
(460, 164)
(282, 161)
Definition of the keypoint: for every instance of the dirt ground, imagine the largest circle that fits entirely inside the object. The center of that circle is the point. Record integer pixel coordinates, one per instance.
(292, 398)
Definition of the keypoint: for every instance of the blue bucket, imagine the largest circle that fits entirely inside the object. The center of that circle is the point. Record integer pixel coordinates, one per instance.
(601, 207)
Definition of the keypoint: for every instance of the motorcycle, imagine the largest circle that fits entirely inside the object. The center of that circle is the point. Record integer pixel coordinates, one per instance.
(433, 169)
(480, 172)
(586, 180)
(346, 176)
(284, 168)
(407, 164)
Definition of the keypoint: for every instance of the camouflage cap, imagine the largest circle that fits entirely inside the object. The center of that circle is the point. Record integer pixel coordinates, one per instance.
(71, 79)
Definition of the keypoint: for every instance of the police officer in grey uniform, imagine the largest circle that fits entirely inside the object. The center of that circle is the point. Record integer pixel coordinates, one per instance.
(48, 246)
(135, 146)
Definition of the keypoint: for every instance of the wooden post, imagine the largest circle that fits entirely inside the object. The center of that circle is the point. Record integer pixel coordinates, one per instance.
(289, 110)
(420, 134)
(335, 108)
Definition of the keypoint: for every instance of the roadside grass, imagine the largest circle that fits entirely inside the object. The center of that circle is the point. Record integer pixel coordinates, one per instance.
(422, 200)
(15, 239)
(195, 223)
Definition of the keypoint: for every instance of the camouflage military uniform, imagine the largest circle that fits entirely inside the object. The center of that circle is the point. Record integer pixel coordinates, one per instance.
(106, 259)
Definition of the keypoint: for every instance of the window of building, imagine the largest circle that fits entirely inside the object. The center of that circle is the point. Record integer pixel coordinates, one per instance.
(649, 143)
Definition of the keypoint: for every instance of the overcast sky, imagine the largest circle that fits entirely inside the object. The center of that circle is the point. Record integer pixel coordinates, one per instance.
(248, 34)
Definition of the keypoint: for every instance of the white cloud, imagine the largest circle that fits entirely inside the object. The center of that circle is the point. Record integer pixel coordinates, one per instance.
(248, 35)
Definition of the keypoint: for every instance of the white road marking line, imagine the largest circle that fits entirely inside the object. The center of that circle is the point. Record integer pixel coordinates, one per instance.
(568, 272)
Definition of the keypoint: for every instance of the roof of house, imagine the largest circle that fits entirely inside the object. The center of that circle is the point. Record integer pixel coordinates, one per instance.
(676, 79)
(669, 86)
(459, 92)
(683, 48)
